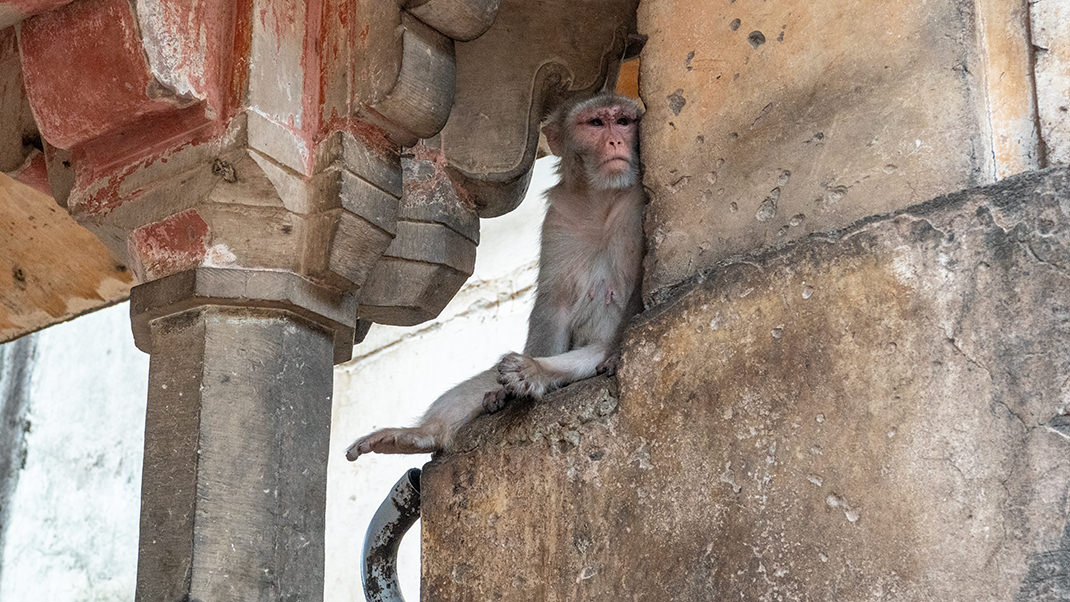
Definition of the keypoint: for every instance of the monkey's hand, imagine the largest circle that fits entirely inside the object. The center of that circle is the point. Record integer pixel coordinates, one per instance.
(609, 365)
(495, 401)
(522, 376)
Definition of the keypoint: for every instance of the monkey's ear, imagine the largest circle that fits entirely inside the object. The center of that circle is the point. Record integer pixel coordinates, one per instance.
(553, 134)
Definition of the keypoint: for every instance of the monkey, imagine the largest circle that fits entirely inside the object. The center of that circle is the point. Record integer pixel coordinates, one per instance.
(588, 286)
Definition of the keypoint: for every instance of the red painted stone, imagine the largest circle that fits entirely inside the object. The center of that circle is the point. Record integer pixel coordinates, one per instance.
(89, 72)
(34, 173)
(86, 71)
(172, 245)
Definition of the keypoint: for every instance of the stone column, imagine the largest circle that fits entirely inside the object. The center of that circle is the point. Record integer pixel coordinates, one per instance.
(236, 436)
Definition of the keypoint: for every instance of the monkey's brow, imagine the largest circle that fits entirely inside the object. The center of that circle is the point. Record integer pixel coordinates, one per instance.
(598, 103)
(608, 111)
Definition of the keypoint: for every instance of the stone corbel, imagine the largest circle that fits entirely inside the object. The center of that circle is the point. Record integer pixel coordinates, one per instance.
(534, 55)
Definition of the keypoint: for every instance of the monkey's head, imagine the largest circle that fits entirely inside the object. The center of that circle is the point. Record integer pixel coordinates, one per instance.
(597, 139)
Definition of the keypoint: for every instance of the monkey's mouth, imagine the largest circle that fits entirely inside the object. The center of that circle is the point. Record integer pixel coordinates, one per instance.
(617, 162)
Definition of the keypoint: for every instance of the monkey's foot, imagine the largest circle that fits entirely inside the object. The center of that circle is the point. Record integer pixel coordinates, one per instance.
(522, 376)
(609, 365)
(495, 401)
(394, 441)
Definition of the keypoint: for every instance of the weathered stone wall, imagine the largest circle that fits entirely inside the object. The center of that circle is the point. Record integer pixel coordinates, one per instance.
(836, 393)
(767, 121)
(876, 413)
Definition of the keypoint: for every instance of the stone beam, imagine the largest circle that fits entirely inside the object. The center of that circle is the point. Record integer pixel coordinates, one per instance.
(876, 412)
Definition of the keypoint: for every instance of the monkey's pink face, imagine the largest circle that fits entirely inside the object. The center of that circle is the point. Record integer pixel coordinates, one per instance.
(609, 134)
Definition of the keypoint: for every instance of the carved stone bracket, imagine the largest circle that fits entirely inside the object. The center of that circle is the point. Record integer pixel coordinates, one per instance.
(534, 55)
(269, 135)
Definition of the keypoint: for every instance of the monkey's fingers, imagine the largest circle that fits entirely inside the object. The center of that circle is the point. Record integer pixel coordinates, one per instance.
(495, 401)
(609, 365)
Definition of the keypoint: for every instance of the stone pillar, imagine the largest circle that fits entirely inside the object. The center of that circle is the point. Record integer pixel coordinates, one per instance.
(236, 435)
(236, 438)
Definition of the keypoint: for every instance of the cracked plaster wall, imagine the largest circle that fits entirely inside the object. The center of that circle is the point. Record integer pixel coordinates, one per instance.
(769, 121)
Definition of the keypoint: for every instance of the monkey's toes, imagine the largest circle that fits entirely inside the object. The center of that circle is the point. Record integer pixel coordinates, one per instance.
(495, 401)
(354, 450)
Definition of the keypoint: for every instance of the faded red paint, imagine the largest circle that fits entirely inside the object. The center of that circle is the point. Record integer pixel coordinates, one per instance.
(311, 68)
(175, 244)
(86, 71)
(102, 164)
(239, 57)
(92, 91)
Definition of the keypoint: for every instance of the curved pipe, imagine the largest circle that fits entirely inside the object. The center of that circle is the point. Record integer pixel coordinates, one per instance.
(397, 513)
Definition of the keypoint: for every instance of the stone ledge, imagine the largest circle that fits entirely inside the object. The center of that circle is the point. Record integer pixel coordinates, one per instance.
(558, 420)
(869, 414)
(1006, 195)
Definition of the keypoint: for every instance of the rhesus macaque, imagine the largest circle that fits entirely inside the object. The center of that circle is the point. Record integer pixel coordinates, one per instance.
(589, 274)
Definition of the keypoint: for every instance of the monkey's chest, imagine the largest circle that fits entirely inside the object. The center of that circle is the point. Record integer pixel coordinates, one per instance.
(596, 288)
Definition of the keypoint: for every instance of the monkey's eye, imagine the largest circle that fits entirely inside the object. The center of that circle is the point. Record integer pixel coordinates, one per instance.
(623, 121)
(596, 122)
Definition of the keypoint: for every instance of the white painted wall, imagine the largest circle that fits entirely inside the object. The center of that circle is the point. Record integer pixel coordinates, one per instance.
(73, 519)
(73, 522)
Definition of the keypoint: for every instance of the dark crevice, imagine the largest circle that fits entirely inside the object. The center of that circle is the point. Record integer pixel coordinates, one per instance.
(16, 362)
(1042, 146)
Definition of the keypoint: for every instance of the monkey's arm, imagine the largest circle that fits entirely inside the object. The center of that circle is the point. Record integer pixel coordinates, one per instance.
(547, 328)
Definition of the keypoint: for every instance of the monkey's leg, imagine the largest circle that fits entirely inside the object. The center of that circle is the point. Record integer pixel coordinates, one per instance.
(448, 413)
(413, 440)
(528, 376)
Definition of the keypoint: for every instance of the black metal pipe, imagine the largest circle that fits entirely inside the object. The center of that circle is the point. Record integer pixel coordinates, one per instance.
(397, 513)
